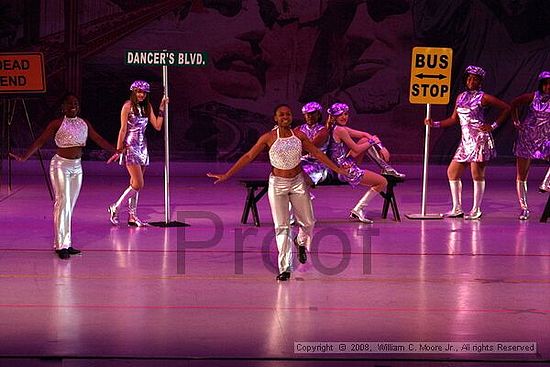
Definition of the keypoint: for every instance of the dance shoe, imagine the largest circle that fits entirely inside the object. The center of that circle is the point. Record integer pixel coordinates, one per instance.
(134, 221)
(63, 254)
(524, 215)
(392, 172)
(302, 254)
(113, 214)
(358, 214)
(474, 214)
(285, 275)
(455, 213)
(73, 251)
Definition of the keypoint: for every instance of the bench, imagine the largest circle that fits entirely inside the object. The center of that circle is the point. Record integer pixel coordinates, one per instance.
(256, 189)
(546, 212)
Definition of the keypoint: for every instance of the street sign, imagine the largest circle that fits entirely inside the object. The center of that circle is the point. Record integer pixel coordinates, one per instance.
(166, 58)
(431, 75)
(22, 72)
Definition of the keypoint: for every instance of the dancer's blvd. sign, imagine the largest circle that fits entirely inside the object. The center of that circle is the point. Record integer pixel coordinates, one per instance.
(166, 58)
(431, 75)
(22, 72)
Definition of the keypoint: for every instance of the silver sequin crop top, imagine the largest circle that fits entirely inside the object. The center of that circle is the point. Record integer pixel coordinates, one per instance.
(285, 153)
(73, 132)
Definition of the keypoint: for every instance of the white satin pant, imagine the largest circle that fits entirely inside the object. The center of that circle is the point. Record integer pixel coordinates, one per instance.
(66, 177)
(281, 191)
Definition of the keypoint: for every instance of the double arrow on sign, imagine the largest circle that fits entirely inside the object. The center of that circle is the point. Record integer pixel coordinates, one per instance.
(422, 76)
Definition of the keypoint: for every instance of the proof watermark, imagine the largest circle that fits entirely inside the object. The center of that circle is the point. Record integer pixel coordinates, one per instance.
(415, 347)
(342, 248)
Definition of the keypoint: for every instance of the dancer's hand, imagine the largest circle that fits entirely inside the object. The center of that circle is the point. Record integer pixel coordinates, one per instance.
(219, 178)
(374, 140)
(116, 156)
(163, 102)
(486, 128)
(18, 158)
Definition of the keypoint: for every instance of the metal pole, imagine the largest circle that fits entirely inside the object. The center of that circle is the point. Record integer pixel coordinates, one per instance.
(423, 214)
(166, 149)
(426, 152)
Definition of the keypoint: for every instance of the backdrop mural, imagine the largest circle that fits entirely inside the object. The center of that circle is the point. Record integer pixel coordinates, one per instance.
(265, 52)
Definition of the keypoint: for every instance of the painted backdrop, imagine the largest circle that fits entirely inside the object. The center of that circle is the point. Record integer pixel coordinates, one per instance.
(265, 52)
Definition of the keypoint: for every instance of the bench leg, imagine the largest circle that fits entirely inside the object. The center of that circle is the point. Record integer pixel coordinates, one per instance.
(546, 212)
(386, 205)
(394, 209)
(389, 200)
(248, 204)
(255, 208)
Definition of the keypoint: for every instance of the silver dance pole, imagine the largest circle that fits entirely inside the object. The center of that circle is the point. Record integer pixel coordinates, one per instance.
(166, 149)
(423, 214)
(167, 222)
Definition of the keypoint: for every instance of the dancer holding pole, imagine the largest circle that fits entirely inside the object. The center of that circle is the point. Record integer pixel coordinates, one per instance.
(477, 146)
(135, 115)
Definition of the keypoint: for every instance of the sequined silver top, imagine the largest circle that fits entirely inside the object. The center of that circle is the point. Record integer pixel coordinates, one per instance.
(476, 145)
(73, 132)
(285, 153)
(533, 140)
(311, 132)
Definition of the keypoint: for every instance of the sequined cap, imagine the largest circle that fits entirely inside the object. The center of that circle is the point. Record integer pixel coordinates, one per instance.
(475, 70)
(312, 107)
(544, 75)
(141, 84)
(337, 109)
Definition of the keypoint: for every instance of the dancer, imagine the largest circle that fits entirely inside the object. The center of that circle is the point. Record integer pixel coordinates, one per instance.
(342, 148)
(70, 134)
(477, 146)
(135, 115)
(316, 171)
(533, 139)
(286, 184)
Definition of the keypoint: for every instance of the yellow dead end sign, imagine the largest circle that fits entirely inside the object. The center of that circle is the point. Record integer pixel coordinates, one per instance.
(431, 75)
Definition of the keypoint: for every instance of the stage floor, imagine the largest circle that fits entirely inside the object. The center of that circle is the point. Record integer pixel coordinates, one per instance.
(206, 295)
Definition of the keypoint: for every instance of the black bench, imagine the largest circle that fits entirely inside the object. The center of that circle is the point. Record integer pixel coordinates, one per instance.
(256, 189)
(546, 212)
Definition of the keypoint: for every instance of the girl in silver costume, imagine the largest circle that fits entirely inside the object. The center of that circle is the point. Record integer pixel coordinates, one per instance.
(286, 184)
(533, 139)
(70, 134)
(316, 171)
(344, 150)
(477, 146)
(136, 114)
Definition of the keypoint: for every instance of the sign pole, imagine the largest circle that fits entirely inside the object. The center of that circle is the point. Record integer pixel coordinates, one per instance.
(423, 214)
(430, 84)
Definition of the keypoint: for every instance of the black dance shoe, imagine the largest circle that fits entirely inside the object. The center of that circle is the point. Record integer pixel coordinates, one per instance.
(285, 275)
(73, 251)
(63, 254)
(302, 256)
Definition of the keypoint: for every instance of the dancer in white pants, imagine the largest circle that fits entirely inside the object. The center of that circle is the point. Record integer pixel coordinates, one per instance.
(70, 134)
(286, 184)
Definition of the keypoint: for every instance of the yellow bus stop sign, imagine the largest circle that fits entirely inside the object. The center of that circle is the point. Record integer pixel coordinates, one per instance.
(431, 75)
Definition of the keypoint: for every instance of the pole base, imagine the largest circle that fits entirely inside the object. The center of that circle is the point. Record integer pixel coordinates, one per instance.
(424, 216)
(168, 224)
